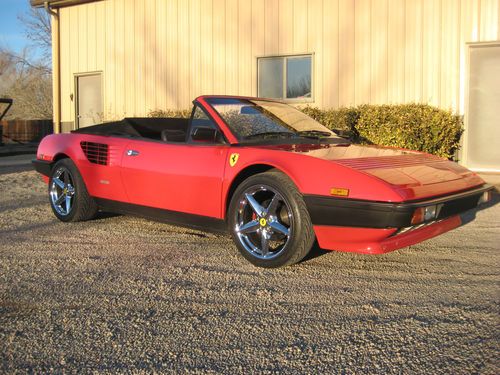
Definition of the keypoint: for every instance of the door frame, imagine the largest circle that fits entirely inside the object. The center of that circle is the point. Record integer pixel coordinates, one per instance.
(465, 137)
(75, 82)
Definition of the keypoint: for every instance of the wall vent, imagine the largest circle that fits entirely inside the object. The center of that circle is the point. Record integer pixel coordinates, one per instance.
(96, 153)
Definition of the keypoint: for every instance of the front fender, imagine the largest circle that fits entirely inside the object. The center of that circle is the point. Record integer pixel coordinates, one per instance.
(312, 176)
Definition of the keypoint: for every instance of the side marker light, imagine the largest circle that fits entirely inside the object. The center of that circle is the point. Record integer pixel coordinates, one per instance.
(340, 192)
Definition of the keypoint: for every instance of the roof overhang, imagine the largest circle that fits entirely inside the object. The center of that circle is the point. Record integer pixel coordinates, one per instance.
(58, 3)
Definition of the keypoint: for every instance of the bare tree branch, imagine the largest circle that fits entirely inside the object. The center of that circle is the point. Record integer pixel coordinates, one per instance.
(26, 76)
(37, 28)
(23, 61)
(29, 84)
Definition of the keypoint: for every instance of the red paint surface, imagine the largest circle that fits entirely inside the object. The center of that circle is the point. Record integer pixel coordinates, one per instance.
(186, 178)
(197, 178)
(378, 241)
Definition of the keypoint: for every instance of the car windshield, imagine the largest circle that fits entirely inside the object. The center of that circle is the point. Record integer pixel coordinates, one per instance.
(254, 120)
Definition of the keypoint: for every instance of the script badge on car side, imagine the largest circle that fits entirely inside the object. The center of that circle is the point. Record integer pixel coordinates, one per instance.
(233, 159)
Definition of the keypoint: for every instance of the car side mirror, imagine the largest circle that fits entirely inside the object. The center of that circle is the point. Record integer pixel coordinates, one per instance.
(204, 134)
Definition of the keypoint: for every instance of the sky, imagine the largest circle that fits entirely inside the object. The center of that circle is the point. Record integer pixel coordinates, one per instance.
(11, 29)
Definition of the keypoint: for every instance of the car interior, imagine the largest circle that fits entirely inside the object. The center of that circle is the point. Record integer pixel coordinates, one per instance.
(164, 129)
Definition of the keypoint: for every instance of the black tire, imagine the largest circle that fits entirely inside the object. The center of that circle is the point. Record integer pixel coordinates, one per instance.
(288, 215)
(81, 205)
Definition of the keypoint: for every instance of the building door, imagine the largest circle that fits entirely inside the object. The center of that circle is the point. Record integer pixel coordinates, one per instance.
(483, 121)
(88, 99)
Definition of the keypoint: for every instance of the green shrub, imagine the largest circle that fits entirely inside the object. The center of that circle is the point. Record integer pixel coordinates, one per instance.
(344, 118)
(413, 126)
(178, 113)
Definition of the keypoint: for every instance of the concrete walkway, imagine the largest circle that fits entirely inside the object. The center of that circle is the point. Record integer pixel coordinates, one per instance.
(492, 179)
(15, 160)
(16, 163)
(12, 149)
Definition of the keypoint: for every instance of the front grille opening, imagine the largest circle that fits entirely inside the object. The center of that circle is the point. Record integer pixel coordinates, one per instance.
(458, 206)
(96, 153)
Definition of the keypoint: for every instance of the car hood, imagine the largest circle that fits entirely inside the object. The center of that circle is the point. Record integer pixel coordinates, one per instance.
(415, 174)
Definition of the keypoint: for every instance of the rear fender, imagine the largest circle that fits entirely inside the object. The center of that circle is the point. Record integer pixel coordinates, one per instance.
(54, 146)
(102, 181)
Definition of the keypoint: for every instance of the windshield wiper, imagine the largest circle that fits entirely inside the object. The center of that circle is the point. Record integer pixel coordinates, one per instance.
(314, 133)
(265, 135)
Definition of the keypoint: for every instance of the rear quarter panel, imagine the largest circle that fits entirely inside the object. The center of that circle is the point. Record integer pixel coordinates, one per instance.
(103, 181)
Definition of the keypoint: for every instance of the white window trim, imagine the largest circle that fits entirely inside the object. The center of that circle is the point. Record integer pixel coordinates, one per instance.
(285, 58)
(463, 153)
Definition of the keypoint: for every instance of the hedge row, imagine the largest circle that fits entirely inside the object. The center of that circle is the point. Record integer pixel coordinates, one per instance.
(413, 126)
(178, 113)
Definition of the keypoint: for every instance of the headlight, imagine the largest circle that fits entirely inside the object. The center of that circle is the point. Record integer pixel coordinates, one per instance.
(423, 214)
(430, 213)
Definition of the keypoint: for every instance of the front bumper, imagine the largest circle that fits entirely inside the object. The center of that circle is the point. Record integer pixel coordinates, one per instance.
(370, 214)
(42, 166)
(379, 241)
(380, 227)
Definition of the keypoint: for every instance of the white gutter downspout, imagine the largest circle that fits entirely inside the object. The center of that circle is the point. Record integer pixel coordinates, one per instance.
(56, 69)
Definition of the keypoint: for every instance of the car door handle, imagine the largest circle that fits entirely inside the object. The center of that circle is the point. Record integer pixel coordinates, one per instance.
(132, 153)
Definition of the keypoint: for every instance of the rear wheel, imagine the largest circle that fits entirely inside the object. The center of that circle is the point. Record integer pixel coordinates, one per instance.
(269, 221)
(69, 198)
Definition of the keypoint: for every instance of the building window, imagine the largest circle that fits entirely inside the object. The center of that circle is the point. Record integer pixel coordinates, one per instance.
(285, 77)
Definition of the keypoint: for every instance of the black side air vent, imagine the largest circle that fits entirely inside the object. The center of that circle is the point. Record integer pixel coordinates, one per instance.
(96, 153)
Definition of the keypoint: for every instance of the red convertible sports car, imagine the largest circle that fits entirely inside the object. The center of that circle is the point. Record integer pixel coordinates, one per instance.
(276, 179)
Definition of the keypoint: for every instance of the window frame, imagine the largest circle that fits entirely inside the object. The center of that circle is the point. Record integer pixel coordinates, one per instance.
(285, 58)
(189, 141)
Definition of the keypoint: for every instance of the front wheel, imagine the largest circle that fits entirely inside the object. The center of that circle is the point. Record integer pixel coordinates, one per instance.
(269, 221)
(69, 198)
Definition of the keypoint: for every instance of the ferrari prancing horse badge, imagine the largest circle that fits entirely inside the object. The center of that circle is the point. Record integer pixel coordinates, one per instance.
(233, 159)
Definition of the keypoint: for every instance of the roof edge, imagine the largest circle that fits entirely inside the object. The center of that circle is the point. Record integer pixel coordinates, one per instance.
(58, 3)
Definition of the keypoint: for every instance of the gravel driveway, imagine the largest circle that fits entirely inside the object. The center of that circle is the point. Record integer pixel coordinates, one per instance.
(122, 294)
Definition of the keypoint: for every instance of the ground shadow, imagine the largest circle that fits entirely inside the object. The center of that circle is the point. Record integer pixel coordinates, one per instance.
(102, 215)
(315, 252)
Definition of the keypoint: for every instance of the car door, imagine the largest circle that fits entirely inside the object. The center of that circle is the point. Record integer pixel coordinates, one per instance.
(185, 177)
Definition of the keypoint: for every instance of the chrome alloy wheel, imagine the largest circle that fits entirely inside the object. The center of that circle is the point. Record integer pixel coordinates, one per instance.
(62, 191)
(264, 222)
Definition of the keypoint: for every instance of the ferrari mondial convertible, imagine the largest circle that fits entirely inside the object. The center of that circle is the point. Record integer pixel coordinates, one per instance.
(276, 179)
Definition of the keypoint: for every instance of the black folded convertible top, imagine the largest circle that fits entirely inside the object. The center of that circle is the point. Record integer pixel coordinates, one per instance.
(137, 127)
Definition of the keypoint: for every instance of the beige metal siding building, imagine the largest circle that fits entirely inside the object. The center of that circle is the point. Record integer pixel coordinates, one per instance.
(117, 58)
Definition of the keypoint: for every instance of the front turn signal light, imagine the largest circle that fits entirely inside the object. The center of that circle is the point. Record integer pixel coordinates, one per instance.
(423, 214)
(339, 192)
(418, 216)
